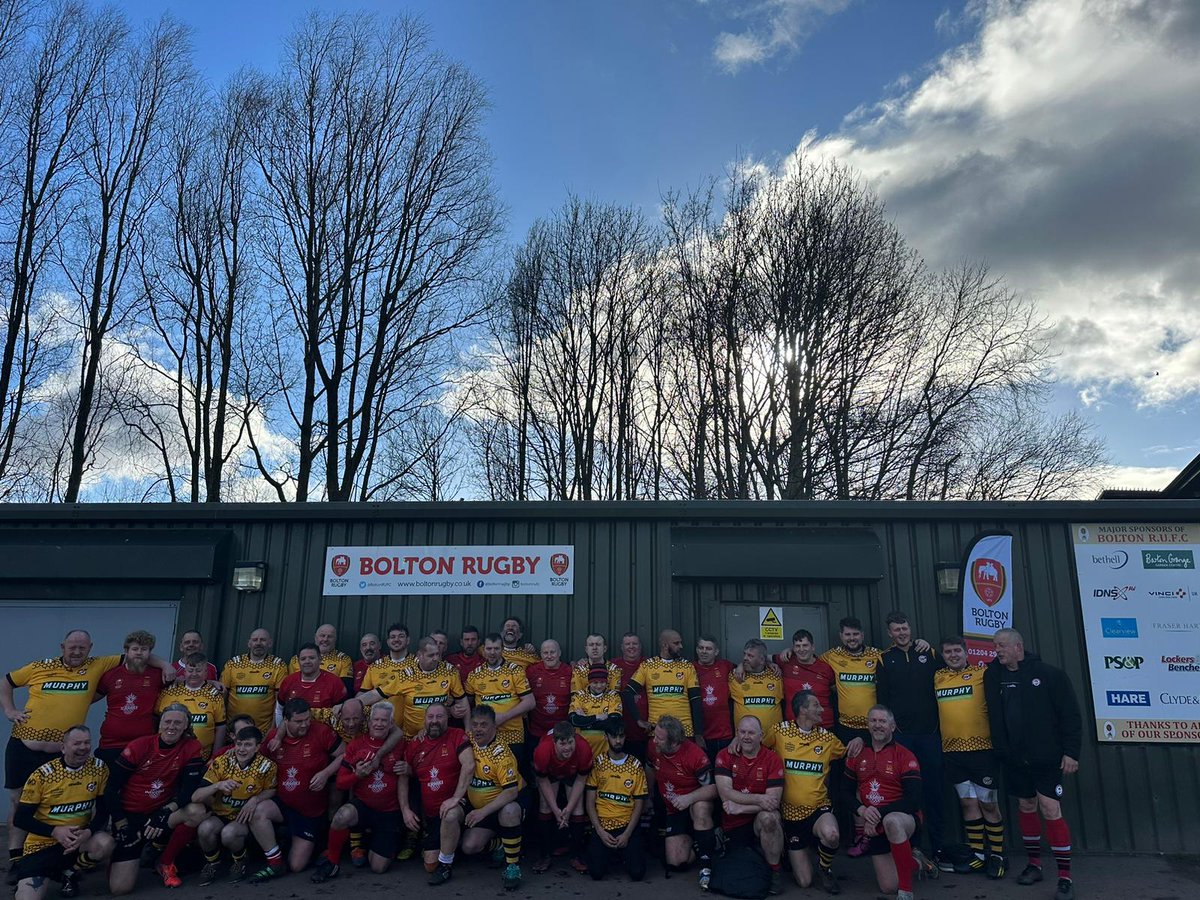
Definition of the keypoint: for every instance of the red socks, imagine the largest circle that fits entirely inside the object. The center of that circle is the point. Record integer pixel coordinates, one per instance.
(902, 856)
(1031, 834)
(1060, 845)
(337, 842)
(180, 838)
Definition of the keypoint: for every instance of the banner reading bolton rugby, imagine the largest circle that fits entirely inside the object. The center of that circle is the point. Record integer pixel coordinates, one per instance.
(355, 571)
(1140, 595)
(987, 592)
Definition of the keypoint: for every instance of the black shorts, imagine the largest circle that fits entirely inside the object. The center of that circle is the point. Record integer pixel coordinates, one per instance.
(306, 828)
(131, 848)
(878, 844)
(384, 827)
(799, 832)
(20, 762)
(1027, 781)
(48, 862)
(431, 839)
(108, 755)
(976, 766)
(677, 822)
(742, 836)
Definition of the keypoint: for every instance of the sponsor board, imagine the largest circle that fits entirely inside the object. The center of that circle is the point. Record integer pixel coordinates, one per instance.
(416, 571)
(1140, 597)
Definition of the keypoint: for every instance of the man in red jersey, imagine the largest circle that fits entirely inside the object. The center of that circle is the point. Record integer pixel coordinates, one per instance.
(130, 691)
(629, 662)
(713, 675)
(307, 754)
(683, 777)
(803, 670)
(468, 658)
(550, 681)
(316, 686)
(442, 762)
(562, 762)
(750, 786)
(368, 651)
(887, 779)
(375, 797)
(150, 783)
(193, 642)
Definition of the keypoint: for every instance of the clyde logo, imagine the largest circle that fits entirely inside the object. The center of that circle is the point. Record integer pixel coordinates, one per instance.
(1123, 662)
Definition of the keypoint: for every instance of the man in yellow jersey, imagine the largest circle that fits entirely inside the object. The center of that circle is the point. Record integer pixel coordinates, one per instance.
(60, 691)
(381, 673)
(669, 683)
(492, 795)
(807, 751)
(419, 685)
(760, 691)
(615, 794)
(332, 659)
(56, 812)
(968, 760)
(502, 686)
(592, 707)
(855, 666)
(595, 653)
(205, 704)
(222, 807)
(516, 652)
(252, 679)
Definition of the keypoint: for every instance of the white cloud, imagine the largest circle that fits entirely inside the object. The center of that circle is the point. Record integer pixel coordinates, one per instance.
(1062, 145)
(774, 26)
(1152, 478)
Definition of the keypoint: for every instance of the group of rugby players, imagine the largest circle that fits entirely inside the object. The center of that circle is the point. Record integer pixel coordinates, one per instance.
(410, 750)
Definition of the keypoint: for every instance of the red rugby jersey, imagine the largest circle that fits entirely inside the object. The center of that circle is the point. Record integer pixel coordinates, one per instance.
(714, 697)
(753, 776)
(157, 767)
(130, 699)
(632, 730)
(880, 774)
(379, 789)
(297, 760)
(435, 765)
(326, 691)
(547, 764)
(682, 772)
(817, 676)
(551, 696)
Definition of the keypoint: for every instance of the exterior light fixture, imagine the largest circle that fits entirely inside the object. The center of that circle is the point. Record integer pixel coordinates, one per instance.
(947, 577)
(248, 577)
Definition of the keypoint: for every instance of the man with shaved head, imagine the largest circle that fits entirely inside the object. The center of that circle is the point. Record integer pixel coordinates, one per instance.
(670, 685)
(252, 681)
(369, 648)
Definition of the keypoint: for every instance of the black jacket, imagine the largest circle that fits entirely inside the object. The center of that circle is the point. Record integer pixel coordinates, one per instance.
(1033, 712)
(904, 684)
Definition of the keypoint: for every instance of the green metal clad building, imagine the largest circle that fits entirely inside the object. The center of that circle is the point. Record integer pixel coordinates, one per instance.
(699, 567)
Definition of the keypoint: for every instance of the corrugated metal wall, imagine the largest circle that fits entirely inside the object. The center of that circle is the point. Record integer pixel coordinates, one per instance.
(1126, 797)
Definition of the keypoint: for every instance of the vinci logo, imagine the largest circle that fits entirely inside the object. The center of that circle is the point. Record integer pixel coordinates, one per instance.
(989, 579)
(1118, 628)
(340, 564)
(1128, 698)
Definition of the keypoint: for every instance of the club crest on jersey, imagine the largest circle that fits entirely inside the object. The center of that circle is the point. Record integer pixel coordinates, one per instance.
(628, 782)
(818, 749)
(870, 663)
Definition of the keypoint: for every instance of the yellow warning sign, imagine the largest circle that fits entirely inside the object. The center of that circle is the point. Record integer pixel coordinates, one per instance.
(770, 623)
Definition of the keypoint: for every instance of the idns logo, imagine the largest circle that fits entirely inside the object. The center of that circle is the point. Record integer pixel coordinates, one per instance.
(1116, 592)
(340, 565)
(1128, 698)
(1119, 628)
(1123, 662)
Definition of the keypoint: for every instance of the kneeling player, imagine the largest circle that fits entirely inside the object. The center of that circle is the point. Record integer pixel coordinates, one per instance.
(750, 785)
(149, 787)
(887, 779)
(370, 776)
(443, 763)
(562, 762)
(58, 812)
(616, 794)
(493, 793)
(683, 777)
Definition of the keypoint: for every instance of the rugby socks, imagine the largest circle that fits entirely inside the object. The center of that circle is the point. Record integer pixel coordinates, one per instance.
(238, 855)
(546, 832)
(825, 855)
(706, 846)
(975, 838)
(274, 857)
(212, 856)
(995, 836)
(84, 862)
(1031, 836)
(14, 853)
(180, 838)
(510, 836)
(902, 855)
(1060, 845)
(579, 826)
(445, 859)
(337, 843)
(357, 838)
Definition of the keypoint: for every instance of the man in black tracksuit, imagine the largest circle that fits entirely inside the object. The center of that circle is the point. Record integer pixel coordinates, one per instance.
(904, 684)
(1037, 731)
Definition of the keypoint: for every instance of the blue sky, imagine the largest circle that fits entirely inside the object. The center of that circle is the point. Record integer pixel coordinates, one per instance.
(1056, 139)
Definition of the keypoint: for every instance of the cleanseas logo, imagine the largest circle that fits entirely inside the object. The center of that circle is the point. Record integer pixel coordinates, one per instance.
(1128, 698)
(1118, 628)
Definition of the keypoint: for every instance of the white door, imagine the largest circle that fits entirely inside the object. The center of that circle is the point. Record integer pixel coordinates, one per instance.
(34, 630)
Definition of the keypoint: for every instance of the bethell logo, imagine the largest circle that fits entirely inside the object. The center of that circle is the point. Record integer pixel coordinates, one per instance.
(989, 579)
(559, 563)
(340, 564)
(1114, 560)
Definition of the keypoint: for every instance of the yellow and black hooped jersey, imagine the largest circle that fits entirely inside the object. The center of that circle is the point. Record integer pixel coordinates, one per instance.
(413, 691)
(334, 661)
(806, 757)
(252, 779)
(579, 677)
(501, 688)
(206, 710)
(381, 673)
(962, 709)
(855, 683)
(495, 771)
(63, 796)
(59, 696)
(758, 695)
(667, 682)
(588, 704)
(252, 687)
(618, 786)
(519, 656)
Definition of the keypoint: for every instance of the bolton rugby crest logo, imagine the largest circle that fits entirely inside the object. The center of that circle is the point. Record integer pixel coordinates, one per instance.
(559, 563)
(340, 564)
(989, 580)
